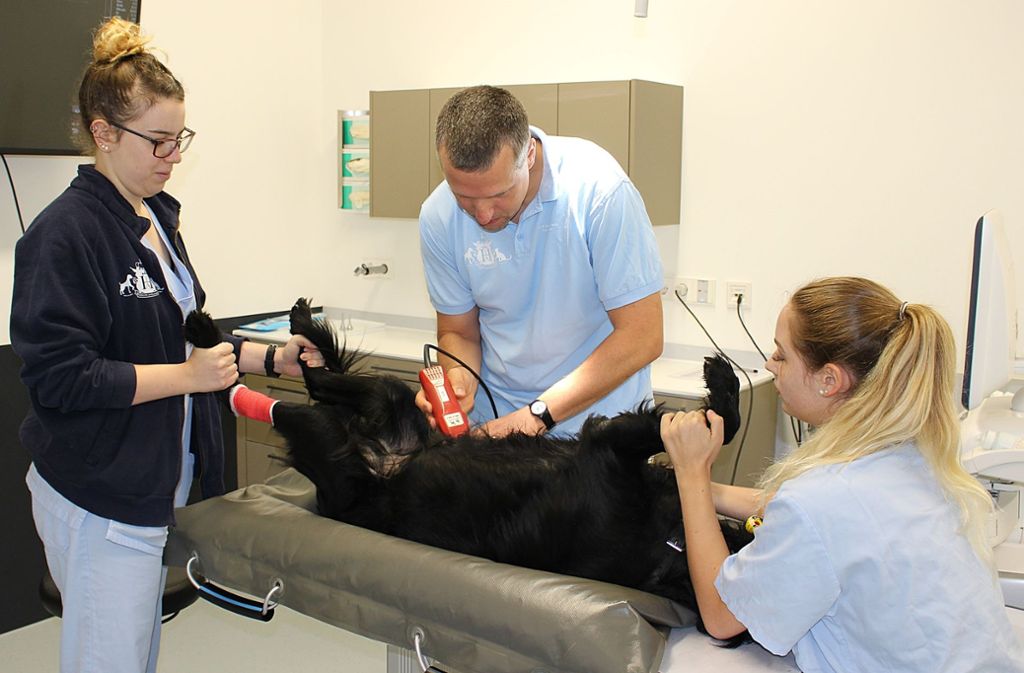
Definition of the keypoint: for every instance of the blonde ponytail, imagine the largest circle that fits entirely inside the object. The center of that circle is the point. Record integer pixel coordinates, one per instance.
(903, 362)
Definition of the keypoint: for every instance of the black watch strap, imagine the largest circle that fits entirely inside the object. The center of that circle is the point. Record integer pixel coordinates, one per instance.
(268, 361)
(539, 408)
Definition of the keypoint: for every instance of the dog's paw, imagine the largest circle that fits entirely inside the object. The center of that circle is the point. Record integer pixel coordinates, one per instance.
(301, 316)
(723, 393)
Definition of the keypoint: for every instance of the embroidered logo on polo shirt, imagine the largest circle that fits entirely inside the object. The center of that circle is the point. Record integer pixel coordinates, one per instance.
(483, 254)
(138, 284)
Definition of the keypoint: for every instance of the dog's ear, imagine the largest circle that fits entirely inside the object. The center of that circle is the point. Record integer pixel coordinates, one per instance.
(200, 330)
(723, 393)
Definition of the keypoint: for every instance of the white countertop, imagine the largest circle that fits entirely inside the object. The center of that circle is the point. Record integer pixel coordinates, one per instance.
(669, 376)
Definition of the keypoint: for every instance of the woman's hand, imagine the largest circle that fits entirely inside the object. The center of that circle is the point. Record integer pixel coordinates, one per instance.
(286, 359)
(689, 442)
(211, 369)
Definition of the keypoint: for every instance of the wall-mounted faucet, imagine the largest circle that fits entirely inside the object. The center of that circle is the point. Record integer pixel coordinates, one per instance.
(365, 269)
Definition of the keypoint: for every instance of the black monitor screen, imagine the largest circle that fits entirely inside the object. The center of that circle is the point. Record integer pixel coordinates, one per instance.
(44, 48)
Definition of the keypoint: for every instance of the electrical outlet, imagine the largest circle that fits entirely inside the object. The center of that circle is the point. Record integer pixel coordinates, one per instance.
(696, 291)
(735, 288)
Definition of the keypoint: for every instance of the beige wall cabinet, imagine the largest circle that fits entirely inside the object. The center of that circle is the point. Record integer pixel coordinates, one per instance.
(640, 123)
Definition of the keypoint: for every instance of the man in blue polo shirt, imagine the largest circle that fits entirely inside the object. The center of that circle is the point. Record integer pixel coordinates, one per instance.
(543, 269)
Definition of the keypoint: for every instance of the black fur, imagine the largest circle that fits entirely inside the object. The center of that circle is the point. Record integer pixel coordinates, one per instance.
(200, 330)
(590, 506)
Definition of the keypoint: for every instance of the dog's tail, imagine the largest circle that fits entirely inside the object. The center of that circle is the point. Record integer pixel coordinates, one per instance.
(723, 393)
(200, 330)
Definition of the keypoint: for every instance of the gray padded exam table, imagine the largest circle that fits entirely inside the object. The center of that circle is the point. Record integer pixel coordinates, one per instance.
(473, 615)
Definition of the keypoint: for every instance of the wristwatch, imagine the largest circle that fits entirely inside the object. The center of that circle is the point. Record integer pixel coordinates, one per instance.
(539, 408)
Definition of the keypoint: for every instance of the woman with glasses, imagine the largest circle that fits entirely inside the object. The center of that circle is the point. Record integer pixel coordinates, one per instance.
(122, 408)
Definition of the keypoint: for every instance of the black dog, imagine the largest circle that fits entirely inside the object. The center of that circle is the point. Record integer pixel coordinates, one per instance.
(590, 506)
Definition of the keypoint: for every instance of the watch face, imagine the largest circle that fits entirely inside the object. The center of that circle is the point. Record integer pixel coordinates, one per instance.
(538, 407)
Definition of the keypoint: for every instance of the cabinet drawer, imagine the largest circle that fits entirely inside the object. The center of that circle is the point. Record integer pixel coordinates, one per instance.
(261, 462)
(407, 371)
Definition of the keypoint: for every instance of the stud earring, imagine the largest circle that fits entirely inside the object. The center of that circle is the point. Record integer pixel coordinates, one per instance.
(822, 392)
(105, 148)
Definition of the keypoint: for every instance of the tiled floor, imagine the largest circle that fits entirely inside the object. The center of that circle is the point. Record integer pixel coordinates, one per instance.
(204, 638)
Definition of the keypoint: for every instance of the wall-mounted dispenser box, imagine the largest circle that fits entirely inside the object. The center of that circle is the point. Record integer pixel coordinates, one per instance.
(354, 160)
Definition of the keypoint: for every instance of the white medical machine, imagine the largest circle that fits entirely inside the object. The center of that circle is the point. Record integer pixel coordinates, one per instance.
(993, 399)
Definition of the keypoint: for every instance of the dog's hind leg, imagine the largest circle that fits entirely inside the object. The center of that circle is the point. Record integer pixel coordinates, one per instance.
(633, 436)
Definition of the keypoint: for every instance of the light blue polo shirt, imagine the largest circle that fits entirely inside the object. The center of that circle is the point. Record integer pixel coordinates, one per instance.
(859, 568)
(582, 247)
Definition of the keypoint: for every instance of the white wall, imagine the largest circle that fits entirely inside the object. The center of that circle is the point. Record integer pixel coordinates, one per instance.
(819, 138)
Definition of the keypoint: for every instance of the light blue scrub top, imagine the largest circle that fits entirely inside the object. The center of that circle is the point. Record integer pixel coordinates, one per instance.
(180, 285)
(859, 568)
(583, 246)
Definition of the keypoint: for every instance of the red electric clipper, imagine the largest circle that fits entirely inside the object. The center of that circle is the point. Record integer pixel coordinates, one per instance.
(451, 420)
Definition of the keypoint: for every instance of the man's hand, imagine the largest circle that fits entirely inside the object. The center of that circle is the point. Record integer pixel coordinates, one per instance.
(465, 392)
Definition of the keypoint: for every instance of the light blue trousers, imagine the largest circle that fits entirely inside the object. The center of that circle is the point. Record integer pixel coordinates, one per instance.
(111, 579)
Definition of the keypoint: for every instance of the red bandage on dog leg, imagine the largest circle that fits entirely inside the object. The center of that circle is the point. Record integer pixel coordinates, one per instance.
(251, 404)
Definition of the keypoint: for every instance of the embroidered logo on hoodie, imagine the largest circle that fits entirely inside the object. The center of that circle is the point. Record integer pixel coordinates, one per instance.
(138, 284)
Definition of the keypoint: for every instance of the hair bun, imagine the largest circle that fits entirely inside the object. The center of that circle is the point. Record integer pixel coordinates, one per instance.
(117, 40)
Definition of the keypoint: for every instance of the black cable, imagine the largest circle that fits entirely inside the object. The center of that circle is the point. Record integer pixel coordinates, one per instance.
(750, 399)
(798, 430)
(14, 193)
(739, 314)
(793, 423)
(426, 363)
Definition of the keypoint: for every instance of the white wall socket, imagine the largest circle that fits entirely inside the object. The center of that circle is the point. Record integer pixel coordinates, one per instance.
(696, 291)
(734, 288)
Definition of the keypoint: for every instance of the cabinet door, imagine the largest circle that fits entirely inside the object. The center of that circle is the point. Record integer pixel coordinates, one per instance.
(597, 111)
(656, 147)
(438, 97)
(399, 162)
(541, 104)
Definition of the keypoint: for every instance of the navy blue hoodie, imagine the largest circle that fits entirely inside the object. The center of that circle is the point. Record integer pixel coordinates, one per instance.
(89, 300)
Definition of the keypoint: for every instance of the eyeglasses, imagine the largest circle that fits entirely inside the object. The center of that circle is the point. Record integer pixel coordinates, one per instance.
(165, 148)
